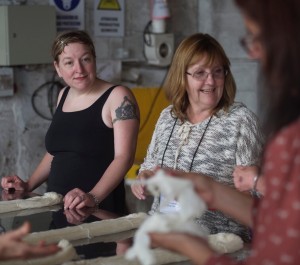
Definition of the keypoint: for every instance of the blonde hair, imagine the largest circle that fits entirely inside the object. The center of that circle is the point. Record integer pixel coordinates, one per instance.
(189, 52)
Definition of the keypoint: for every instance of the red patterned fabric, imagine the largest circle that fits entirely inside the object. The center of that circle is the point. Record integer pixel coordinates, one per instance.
(277, 215)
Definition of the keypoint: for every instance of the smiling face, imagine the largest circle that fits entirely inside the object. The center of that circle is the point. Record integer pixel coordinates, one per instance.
(77, 66)
(206, 93)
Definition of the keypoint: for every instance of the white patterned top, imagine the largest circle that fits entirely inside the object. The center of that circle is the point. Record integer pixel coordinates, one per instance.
(231, 138)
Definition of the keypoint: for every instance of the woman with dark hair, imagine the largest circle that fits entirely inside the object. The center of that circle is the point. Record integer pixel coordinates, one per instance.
(204, 130)
(92, 139)
(274, 39)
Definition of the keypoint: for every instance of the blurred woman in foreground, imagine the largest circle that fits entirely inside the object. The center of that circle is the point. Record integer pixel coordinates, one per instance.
(274, 39)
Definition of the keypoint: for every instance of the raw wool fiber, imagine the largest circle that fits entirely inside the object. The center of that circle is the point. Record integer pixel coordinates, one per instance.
(183, 191)
(172, 188)
(48, 199)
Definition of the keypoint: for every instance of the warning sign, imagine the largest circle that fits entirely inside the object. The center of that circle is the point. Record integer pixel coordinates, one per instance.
(109, 5)
(109, 18)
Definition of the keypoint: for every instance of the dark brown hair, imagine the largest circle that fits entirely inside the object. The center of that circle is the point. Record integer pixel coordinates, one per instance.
(65, 38)
(279, 22)
(190, 51)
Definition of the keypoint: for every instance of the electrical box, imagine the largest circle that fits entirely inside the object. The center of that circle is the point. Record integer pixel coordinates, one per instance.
(159, 51)
(26, 34)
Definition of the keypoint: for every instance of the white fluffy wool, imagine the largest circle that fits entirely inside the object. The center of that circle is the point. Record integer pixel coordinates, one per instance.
(183, 221)
(173, 189)
(225, 242)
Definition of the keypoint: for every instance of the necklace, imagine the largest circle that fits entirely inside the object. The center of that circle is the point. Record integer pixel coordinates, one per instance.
(199, 143)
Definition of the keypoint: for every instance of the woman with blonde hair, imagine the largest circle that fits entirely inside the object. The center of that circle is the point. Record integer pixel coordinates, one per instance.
(204, 130)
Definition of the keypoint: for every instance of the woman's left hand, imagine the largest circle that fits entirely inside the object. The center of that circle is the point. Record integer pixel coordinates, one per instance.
(77, 216)
(77, 199)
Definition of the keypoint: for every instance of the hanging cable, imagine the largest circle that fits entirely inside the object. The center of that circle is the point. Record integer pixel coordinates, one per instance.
(52, 88)
(146, 32)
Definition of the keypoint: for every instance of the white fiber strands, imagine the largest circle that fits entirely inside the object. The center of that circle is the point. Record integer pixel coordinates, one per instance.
(173, 189)
(225, 242)
(26, 212)
(67, 253)
(89, 230)
(48, 199)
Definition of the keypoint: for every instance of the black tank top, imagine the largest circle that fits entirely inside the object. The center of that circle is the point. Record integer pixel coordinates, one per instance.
(83, 148)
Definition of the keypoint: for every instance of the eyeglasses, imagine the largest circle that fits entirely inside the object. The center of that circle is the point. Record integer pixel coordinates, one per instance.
(249, 43)
(219, 74)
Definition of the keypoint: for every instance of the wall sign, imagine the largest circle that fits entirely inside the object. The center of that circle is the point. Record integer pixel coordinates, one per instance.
(109, 18)
(69, 14)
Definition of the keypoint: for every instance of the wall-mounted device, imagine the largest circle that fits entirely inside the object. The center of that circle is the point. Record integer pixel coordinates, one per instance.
(158, 45)
(26, 34)
(159, 48)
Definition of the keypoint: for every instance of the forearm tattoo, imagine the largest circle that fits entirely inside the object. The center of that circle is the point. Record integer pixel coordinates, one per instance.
(126, 111)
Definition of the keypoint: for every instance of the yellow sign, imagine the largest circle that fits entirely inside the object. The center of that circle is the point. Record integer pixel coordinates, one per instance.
(109, 5)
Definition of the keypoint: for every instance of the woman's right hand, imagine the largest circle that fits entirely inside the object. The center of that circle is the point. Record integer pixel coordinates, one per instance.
(138, 188)
(8, 195)
(14, 182)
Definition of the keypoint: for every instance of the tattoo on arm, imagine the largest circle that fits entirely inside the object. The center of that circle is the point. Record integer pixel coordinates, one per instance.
(126, 111)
